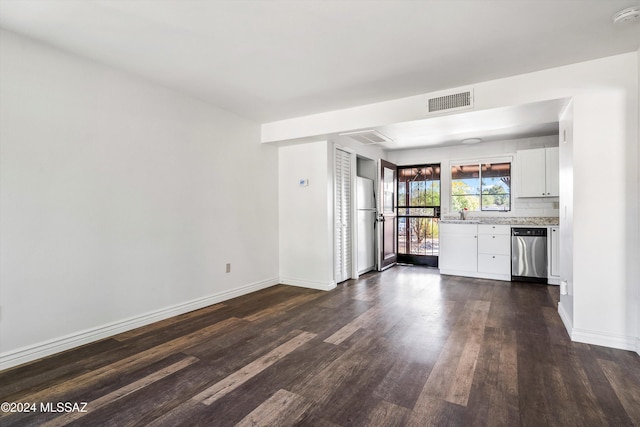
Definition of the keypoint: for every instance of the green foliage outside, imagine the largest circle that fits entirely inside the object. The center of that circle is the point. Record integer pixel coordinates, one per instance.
(425, 195)
(422, 194)
(495, 197)
(464, 196)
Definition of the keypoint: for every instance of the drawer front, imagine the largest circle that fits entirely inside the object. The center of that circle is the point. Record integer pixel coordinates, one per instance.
(468, 229)
(494, 264)
(494, 229)
(494, 244)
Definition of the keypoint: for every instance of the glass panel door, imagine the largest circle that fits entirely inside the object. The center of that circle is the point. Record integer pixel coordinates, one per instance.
(418, 214)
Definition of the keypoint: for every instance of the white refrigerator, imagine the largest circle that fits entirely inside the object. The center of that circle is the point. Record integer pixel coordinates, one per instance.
(366, 217)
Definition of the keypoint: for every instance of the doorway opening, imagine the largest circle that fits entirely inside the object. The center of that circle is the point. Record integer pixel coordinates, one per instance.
(419, 214)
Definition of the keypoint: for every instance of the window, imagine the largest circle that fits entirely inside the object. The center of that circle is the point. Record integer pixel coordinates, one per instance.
(481, 186)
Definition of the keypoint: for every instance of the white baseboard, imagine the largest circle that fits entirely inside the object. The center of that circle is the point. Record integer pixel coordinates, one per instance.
(322, 286)
(56, 345)
(566, 319)
(620, 342)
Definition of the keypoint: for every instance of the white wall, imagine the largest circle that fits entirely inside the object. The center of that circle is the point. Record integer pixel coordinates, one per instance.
(566, 214)
(306, 225)
(121, 202)
(605, 127)
(307, 214)
(505, 148)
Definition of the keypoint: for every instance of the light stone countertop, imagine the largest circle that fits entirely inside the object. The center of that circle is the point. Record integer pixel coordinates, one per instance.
(520, 220)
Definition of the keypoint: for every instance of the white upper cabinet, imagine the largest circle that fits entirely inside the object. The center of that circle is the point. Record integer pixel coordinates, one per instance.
(552, 171)
(539, 172)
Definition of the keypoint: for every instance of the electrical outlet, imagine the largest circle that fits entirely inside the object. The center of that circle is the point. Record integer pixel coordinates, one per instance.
(228, 268)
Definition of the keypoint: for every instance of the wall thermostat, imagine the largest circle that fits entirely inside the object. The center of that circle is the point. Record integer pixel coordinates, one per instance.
(303, 182)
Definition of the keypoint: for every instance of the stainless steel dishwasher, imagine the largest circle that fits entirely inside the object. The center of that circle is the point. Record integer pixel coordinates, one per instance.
(529, 254)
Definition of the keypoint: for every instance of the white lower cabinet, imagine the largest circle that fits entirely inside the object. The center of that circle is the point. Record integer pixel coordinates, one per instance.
(494, 250)
(495, 264)
(475, 250)
(458, 248)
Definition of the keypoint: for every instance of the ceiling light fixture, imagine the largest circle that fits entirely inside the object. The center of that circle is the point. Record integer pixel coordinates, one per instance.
(629, 14)
(471, 140)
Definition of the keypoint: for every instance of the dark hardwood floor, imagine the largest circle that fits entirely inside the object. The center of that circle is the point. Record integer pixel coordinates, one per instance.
(402, 347)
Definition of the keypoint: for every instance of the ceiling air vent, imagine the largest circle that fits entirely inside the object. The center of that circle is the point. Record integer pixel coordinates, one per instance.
(452, 101)
(367, 137)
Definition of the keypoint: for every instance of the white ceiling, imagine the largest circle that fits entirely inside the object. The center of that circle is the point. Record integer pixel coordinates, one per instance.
(269, 60)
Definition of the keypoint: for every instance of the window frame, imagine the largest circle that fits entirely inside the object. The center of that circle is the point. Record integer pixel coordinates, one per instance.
(479, 162)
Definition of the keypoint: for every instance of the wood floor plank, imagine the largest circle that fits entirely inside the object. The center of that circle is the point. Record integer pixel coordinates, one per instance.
(558, 398)
(319, 387)
(435, 413)
(126, 364)
(121, 392)
(155, 400)
(485, 382)
(452, 375)
(314, 317)
(460, 386)
(124, 336)
(625, 385)
(504, 399)
(282, 409)
(282, 308)
(49, 371)
(555, 327)
(353, 408)
(298, 367)
(368, 291)
(254, 302)
(403, 382)
(238, 378)
(590, 389)
(533, 382)
(347, 330)
(387, 414)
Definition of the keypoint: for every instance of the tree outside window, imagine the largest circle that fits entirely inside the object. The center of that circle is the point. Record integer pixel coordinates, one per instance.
(481, 187)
